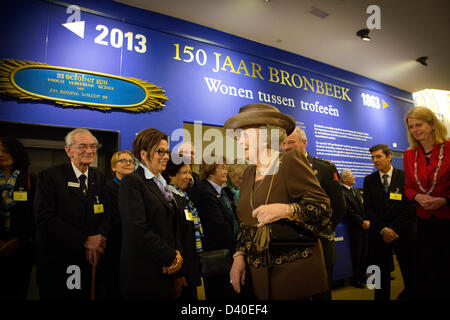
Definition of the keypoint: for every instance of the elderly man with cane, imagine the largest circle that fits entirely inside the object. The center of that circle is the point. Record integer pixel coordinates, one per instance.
(71, 222)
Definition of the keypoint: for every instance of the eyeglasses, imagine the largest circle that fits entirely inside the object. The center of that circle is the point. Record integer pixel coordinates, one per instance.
(162, 152)
(124, 161)
(84, 147)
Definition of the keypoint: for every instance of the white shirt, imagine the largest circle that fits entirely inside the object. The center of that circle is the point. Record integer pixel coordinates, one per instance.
(389, 177)
(216, 186)
(78, 173)
(349, 188)
(149, 175)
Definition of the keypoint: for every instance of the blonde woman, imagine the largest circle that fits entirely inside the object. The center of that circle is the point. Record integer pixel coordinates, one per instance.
(122, 164)
(427, 183)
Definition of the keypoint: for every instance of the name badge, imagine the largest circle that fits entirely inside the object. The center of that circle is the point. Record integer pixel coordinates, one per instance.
(395, 196)
(98, 208)
(73, 184)
(188, 215)
(20, 196)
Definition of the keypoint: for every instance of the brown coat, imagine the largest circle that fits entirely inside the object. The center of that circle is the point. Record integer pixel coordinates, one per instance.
(293, 270)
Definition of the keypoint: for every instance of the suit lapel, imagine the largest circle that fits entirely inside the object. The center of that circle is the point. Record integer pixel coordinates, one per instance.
(151, 185)
(218, 196)
(92, 185)
(70, 177)
(395, 181)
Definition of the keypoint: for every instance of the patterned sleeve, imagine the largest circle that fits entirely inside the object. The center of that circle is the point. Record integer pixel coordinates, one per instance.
(304, 188)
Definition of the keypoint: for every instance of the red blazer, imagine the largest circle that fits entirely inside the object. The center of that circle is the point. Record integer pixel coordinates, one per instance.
(425, 174)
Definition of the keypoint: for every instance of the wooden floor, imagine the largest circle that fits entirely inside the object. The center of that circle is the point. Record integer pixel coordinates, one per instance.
(348, 292)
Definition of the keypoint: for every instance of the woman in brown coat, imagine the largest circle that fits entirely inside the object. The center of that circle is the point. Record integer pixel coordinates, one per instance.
(279, 193)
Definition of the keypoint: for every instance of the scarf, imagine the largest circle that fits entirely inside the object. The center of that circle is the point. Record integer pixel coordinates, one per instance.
(116, 181)
(7, 191)
(198, 229)
(234, 190)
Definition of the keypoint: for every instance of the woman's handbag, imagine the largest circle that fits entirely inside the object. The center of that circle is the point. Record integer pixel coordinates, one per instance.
(216, 262)
(285, 232)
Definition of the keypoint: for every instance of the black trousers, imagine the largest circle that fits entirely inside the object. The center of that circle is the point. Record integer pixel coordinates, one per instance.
(381, 255)
(359, 252)
(433, 277)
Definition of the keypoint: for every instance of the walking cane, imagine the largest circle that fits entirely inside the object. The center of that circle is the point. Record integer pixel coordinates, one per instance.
(94, 269)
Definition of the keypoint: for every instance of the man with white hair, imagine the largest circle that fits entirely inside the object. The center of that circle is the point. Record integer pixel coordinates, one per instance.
(326, 172)
(71, 222)
(358, 226)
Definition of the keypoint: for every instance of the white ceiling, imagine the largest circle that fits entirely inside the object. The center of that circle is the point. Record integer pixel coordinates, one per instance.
(409, 29)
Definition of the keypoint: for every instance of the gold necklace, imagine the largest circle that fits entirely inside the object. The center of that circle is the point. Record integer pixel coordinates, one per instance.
(268, 192)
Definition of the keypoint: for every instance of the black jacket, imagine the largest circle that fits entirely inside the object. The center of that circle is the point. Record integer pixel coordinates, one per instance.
(64, 217)
(383, 211)
(355, 213)
(22, 221)
(217, 222)
(328, 177)
(150, 236)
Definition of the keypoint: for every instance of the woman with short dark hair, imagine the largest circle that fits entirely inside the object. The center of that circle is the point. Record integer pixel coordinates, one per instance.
(17, 187)
(179, 177)
(151, 244)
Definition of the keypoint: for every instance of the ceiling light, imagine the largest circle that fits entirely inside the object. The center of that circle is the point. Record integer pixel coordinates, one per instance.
(422, 60)
(363, 34)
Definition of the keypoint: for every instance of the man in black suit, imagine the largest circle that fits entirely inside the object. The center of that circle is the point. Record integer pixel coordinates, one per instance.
(71, 223)
(358, 226)
(328, 177)
(393, 221)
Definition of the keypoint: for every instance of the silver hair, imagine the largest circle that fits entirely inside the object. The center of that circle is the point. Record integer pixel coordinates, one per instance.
(70, 137)
(345, 173)
(301, 133)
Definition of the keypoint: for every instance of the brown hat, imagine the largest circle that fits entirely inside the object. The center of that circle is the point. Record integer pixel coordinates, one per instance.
(259, 114)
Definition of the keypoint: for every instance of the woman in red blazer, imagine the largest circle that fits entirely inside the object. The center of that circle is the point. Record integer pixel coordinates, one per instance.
(427, 183)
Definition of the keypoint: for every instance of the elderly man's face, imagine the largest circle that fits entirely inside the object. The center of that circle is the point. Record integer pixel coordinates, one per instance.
(292, 142)
(187, 150)
(83, 150)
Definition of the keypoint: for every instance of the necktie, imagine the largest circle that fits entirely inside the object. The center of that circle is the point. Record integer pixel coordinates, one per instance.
(83, 187)
(164, 190)
(385, 183)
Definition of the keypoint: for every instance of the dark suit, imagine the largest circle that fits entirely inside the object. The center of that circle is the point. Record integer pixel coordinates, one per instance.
(354, 217)
(218, 230)
(326, 172)
(150, 236)
(65, 218)
(398, 215)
